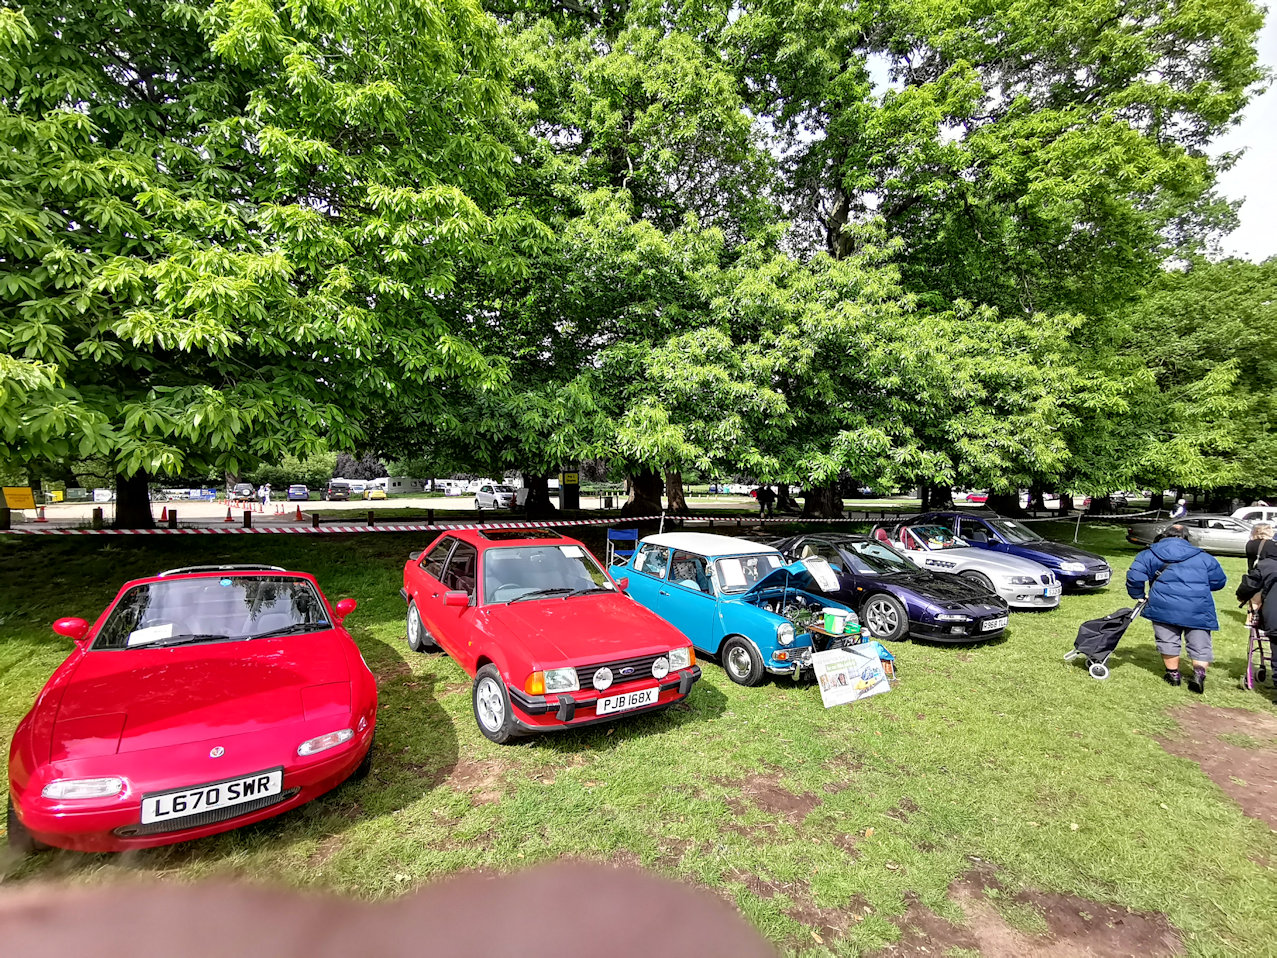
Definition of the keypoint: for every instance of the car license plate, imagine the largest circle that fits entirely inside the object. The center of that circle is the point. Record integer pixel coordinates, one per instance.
(627, 701)
(1102, 576)
(1052, 590)
(988, 625)
(168, 806)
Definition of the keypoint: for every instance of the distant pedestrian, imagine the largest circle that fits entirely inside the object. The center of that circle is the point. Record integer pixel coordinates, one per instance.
(1180, 579)
(1180, 510)
(261, 494)
(266, 495)
(1260, 544)
(1253, 592)
(766, 501)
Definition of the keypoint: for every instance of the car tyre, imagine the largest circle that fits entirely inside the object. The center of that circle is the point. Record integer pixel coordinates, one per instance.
(741, 662)
(419, 640)
(491, 703)
(20, 840)
(980, 579)
(365, 766)
(885, 617)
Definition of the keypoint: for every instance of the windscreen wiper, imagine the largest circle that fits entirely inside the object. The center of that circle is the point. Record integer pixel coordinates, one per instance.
(538, 594)
(593, 588)
(295, 629)
(188, 639)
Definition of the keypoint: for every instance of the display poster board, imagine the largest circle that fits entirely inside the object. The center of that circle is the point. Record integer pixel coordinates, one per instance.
(19, 497)
(849, 674)
(822, 573)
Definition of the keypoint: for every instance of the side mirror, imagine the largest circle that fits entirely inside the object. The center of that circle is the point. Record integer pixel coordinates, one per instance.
(72, 628)
(456, 598)
(344, 608)
(623, 583)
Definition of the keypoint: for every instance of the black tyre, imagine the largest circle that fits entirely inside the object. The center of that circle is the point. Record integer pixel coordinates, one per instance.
(884, 616)
(491, 704)
(20, 840)
(980, 579)
(419, 640)
(741, 662)
(364, 767)
(1098, 671)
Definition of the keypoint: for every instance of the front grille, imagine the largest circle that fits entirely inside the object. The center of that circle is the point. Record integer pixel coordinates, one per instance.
(642, 666)
(205, 818)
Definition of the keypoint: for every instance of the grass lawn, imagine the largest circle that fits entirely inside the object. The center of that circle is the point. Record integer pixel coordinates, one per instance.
(824, 827)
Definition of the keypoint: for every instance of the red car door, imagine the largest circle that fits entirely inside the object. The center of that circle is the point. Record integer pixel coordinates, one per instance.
(428, 588)
(460, 574)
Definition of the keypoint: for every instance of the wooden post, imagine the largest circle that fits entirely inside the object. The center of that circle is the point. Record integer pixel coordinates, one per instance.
(96, 522)
(371, 520)
(430, 517)
(172, 518)
(248, 519)
(314, 520)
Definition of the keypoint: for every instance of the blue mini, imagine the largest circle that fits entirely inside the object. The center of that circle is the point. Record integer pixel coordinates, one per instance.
(734, 599)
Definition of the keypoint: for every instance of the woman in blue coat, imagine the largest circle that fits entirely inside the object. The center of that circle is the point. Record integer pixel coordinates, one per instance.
(1180, 604)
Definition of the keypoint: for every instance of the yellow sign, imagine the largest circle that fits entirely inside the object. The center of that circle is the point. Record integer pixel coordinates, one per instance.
(19, 497)
(56, 495)
(570, 478)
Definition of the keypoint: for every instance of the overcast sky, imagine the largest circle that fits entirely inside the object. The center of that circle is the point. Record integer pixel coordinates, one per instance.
(1254, 178)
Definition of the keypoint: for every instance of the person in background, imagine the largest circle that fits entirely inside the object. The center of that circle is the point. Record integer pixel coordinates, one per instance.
(766, 501)
(266, 495)
(1180, 579)
(1260, 544)
(1180, 510)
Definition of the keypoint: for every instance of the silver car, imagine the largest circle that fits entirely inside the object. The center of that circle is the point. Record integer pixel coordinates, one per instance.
(1023, 583)
(492, 495)
(1220, 535)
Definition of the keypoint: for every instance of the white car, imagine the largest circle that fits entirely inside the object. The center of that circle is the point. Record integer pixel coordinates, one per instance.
(494, 496)
(1253, 514)
(1023, 583)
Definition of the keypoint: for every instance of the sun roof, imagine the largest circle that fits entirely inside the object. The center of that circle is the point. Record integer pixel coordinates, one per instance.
(498, 534)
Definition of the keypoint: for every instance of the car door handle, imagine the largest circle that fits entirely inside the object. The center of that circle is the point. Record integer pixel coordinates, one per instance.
(663, 592)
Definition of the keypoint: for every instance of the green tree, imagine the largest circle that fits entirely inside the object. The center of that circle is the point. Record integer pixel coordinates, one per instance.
(225, 225)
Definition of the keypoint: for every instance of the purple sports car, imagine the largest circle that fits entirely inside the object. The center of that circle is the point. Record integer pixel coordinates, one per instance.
(894, 598)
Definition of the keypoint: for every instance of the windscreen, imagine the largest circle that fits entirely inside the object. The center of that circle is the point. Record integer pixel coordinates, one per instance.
(1014, 532)
(212, 609)
(512, 573)
(937, 537)
(874, 558)
(742, 573)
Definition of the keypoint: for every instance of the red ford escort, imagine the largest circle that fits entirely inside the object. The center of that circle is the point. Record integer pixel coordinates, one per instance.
(549, 638)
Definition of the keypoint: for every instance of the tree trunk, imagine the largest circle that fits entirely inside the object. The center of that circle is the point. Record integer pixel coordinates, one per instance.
(784, 501)
(133, 501)
(1036, 501)
(1155, 501)
(940, 497)
(1066, 503)
(822, 502)
(538, 504)
(1005, 503)
(646, 487)
(1101, 505)
(924, 492)
(674, 493)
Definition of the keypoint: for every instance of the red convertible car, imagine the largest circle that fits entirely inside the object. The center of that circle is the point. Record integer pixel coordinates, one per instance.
(202, 699)
(549, 638)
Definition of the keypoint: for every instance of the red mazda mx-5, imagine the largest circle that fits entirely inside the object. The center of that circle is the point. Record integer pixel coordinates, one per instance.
(550, 640)
(202, 699)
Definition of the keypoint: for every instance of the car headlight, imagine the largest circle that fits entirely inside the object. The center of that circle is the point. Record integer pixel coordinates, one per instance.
(785, 634)
(682, 658)
(322, 743)
(1072, 566)
(561, 680)
(603, 678)
(70, 789)
(952, 617)
(1022, 580)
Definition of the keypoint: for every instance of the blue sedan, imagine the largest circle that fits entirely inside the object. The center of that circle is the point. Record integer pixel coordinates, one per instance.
(897, 599)
(734, 599)
(1076, 568)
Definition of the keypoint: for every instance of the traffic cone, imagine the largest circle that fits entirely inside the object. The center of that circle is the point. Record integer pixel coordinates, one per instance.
(299, 515)
(164, 515)
(228, 515)
(39, 514)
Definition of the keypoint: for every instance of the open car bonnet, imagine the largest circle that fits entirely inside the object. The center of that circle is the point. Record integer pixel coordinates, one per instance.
(812, 574)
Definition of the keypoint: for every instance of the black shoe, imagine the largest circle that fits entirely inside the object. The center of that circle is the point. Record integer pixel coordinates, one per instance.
(1197, 683)
(1172, 678)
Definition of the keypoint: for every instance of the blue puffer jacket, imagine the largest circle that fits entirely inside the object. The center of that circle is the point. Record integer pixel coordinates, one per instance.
(1182, 594)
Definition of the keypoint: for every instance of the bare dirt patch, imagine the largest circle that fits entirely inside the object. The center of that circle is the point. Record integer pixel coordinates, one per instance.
(1075, 927)
(483, 781)
(391, 671)
(765, 793)
(326, 849)
(1208, 736)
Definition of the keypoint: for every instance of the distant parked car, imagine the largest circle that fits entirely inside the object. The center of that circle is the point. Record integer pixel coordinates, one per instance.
(201, 700)
(895, 598)
(733, 598)
(337, 491)
(549, 638)
(979, 497)
(1220, 535)
(1023, 583)
(374, 492)
(494, 496)
(1075, 568)
(298, 492)
(242, 492)
(1253, 514)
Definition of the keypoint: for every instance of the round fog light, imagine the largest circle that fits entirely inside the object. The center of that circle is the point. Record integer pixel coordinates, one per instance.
(661, 668)
(603, 679)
